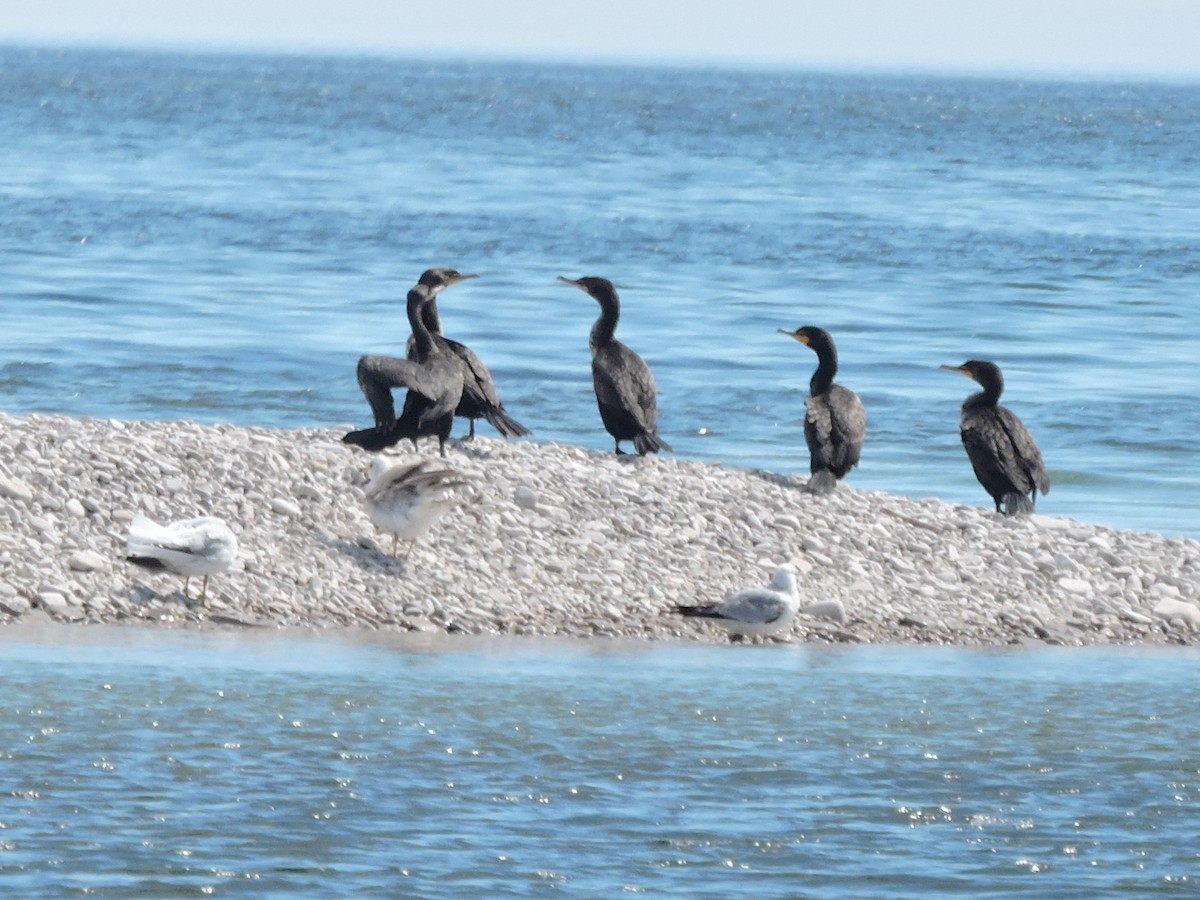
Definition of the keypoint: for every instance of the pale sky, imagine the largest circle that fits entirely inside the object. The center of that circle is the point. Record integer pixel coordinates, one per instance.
(1158, 38)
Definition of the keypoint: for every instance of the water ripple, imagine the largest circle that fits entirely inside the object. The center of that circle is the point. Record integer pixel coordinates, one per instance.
(156, 763)
(220, 237)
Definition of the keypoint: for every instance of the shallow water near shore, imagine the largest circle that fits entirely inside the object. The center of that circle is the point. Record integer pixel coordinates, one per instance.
(182, 763)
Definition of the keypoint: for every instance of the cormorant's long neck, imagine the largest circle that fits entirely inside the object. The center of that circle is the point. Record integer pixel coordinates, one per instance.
(606, 325)
(827, 364)
(417, 299)
(431, 317)
(989, 396)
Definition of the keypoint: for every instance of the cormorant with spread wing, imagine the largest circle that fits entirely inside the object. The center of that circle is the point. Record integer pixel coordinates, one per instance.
(434, 380)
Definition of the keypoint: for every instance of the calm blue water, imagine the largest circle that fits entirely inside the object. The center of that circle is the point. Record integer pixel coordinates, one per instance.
(220, 237)
(165, 764)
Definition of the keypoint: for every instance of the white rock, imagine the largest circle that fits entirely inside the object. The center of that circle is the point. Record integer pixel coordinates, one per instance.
(1050, 523)
(308, 492)
(525, 497)
(284, 507)
(1133, 616)
(15, 489)
(1074, 586)
(15, 606)
(86, 561)
(1178, 609)
(833, 610)
(53, 603)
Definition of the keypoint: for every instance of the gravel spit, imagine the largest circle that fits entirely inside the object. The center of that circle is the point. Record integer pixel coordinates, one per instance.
(554, 540)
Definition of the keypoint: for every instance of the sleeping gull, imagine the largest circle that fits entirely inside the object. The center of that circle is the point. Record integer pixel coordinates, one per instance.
(754, 611)
(203, 546)
(405, 499)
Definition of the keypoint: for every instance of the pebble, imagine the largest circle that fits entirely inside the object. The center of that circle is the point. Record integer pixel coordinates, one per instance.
(1178, 609)
(285, 507)
(1132, 616)
(86, 561)
(15, 489)
(833, 610)
(54, 603)
(610, 547)
(308, 492)
(15, 606)
(1074, 586)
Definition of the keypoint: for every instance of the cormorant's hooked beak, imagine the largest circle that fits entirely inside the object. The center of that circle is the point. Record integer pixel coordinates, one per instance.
(455, 279)
(571, 281)
(802, 338)
(959, 369)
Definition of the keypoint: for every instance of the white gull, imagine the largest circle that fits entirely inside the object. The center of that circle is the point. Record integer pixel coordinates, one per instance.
(189, 547)
(754, 611)
(406, 499)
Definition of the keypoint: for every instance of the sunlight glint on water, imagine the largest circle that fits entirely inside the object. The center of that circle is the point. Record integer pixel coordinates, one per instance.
(179, 762)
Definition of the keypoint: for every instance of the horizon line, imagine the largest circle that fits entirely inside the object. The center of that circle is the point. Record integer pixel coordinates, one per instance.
(1031, 72)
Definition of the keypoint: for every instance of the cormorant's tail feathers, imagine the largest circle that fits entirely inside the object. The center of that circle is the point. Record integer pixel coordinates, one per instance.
(650, 442)
(1016, 504)
(822, 483)
(509, 427)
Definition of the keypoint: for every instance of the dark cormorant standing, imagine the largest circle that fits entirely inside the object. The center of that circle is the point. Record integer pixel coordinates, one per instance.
(434, 380)
(1003, 453)
(625, 388)
(480, 399)
(835, 422)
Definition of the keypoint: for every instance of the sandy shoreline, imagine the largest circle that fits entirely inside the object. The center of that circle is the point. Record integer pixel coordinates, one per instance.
(553, 540)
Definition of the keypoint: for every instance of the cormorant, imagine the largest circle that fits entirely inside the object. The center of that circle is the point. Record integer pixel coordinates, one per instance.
(1003, 453)
(624, 386)
(434, 380)
(480, 399)
(835, 422)
(754, 611)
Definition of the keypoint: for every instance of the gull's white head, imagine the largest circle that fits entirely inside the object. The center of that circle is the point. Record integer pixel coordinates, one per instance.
(784, 580)
(380, 464)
